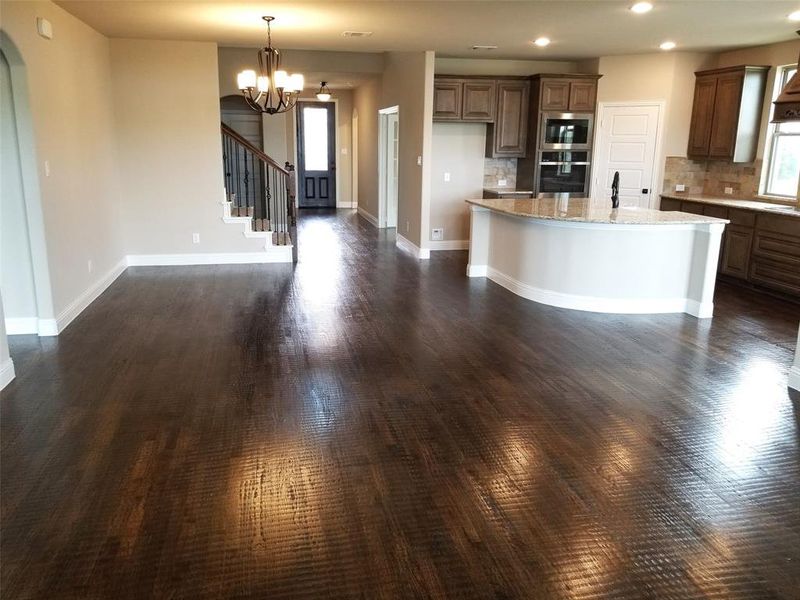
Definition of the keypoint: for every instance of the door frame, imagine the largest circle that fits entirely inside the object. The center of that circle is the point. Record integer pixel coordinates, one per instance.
(337, 149)
(657, 174)
(383, 180)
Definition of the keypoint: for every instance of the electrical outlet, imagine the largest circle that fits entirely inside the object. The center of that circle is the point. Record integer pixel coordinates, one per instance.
(195, 238)
(447, 177)
(89, 265)
(407, 226)
(419, 161)
(679, 187)
(344, 151)
(437, 234)
(502, 182)
(47, 168)
(729, 190)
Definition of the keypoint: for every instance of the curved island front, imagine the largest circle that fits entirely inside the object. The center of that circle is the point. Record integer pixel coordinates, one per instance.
(579, 253)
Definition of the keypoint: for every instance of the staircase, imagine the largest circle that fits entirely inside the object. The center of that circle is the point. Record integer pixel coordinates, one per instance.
(259, 192)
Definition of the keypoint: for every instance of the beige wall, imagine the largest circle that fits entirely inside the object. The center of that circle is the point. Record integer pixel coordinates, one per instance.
(458, 149)
(667, 77)
(407, 82)
(166, 99)
(71, 112)
(366, 102)
(476, 66)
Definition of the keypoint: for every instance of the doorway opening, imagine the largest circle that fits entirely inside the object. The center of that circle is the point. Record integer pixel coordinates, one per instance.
(628, 140)
(389, 166)
(316, 154)
(237, 114)
(24, 275)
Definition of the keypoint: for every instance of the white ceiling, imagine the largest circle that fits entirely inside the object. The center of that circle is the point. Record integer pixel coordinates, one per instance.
(578, 28)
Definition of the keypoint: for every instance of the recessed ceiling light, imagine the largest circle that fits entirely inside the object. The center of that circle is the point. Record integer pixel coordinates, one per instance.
(641, 7)
(542, 42)
(667, 45)
(795, 16)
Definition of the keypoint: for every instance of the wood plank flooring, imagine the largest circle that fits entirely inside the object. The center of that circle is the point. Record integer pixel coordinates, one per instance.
(365, 425)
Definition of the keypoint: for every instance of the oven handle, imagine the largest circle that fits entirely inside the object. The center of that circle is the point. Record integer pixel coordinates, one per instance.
(567, 162)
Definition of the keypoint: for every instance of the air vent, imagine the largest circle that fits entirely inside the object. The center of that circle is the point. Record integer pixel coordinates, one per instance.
(486, 47)
(356, 33)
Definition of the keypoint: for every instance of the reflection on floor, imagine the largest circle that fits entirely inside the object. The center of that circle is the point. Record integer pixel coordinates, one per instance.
(364, 425)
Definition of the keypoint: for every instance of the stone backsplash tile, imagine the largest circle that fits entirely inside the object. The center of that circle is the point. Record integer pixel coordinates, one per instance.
(495, 169)
(712, 177)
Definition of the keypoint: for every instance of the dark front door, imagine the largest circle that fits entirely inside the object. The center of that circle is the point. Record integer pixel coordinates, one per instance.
(316, 154)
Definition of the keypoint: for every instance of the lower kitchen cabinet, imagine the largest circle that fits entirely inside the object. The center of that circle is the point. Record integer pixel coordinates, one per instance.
(757, 247)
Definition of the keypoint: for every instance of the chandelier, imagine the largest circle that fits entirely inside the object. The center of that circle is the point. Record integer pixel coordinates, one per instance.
(271, 90)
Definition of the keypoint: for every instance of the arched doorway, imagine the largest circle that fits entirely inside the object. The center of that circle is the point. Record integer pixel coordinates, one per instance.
(24, 274)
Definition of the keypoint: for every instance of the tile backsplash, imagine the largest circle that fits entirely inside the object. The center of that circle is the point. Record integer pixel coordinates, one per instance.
(712, 177)
(495, 169)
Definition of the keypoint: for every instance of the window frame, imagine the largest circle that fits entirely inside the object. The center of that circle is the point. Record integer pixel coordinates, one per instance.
(784, 73)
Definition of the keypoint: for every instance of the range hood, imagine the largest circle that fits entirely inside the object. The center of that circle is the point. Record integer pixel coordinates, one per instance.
(787, 106)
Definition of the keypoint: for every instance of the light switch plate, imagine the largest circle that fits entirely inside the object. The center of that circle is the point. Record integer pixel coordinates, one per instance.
(419, 161)
(447, 176)
(679, 187)
(729, 190)
(437, 234)
(502, 182)
(44, 28)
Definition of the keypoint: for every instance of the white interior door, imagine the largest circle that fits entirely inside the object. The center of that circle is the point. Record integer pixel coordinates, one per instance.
(392, 167)
(626, 142)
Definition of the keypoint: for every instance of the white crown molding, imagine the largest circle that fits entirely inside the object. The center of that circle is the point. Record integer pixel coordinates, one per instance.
(368, 216)
(448, 245)
(410, 247)
(6, 373)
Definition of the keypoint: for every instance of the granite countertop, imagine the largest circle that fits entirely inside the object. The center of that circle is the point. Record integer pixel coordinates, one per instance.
(507, 190)
(756, 205)
(588, 210)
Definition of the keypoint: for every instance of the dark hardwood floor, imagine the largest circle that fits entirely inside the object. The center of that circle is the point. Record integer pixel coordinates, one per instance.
(369, 426)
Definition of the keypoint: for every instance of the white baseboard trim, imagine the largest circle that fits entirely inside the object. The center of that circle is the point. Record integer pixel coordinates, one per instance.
(410, 247)
(80, 303)
(368, 216)
(600, 305)
(6, 373)
(477, 270)
(271, 254)
(449, 245)
(22, 325)
(794, 378)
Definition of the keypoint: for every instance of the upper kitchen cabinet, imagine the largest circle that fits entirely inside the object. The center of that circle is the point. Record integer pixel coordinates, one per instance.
(464, 99)
(726, 114)
(507, 136)
(566, 93)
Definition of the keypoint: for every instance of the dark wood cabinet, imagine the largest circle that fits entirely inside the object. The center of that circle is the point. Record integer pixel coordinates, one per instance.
(705, 90)
(507, 136)
(736, 251)
(447, 96)
(726, 114)
(555, 95)
(479, 101)
(582, 96)
(759, 248)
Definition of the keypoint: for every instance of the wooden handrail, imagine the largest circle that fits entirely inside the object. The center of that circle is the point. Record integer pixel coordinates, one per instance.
(259, 153)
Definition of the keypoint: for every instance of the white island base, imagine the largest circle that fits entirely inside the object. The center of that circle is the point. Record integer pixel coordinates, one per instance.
(625, 261)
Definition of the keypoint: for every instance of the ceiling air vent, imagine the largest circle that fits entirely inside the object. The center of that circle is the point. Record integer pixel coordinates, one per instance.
(356, 33)
(485, 47)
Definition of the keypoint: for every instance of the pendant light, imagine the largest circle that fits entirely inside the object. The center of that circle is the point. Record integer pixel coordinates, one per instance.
(324, 93)
(270, 90)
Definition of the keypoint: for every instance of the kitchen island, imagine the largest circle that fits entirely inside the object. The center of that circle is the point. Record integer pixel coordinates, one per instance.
(581, 254)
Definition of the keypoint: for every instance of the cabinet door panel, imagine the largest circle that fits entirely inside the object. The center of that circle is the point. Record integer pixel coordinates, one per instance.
(705, 91)
(509, 133)
(555, 95)
(479, 99)
(582, 96)
(447, 100)
(692, 208)
(736, 253)
(726, 115)
(670, 204)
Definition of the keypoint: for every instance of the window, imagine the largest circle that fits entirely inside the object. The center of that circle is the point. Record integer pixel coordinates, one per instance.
(783, 165)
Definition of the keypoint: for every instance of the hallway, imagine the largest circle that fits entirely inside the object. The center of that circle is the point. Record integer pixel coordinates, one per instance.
(366, 425)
